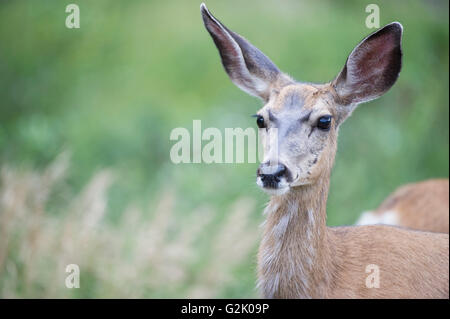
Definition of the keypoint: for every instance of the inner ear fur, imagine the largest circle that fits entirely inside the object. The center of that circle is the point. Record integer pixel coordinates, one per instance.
(372, 67)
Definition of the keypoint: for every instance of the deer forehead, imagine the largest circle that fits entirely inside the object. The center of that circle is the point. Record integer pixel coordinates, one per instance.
(301, 98)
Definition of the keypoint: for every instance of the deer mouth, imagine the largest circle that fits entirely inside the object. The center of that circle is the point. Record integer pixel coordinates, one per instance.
(273, 186)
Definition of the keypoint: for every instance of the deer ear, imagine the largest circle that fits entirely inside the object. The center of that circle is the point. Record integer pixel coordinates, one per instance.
(247, 67)
(372, 67)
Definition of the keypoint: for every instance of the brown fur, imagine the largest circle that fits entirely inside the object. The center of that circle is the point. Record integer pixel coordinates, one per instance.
(299, 256)
(422, 206)
(316, 261)
(310, 260)
(333, 261)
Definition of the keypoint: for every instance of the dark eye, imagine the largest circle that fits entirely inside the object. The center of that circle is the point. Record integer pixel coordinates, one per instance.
(260, 121)
(324, 122)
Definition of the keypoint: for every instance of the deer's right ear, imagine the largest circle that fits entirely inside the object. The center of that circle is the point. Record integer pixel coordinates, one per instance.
(247, 67)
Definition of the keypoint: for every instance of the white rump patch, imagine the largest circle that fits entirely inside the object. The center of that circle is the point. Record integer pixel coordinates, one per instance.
(389, 217)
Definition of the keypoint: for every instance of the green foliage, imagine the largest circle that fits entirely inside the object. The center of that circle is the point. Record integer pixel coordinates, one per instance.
(112, 91)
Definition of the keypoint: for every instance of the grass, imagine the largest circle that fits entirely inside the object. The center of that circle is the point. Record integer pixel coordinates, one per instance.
(112, 91)
(159, 254)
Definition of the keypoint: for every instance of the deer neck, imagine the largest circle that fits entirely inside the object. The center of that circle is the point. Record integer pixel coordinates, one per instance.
(294, 255)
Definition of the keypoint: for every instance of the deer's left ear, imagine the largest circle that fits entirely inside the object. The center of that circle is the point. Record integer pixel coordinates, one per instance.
(372, 67)
(247, 67)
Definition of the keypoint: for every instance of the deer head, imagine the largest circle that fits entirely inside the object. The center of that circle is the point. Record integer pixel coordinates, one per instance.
(299, 121)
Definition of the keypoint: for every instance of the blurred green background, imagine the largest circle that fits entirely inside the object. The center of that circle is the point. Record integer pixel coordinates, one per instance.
(106, 96)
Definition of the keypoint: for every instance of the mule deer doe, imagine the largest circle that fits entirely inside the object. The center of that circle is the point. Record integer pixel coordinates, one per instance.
(299, 256)
(421, 206)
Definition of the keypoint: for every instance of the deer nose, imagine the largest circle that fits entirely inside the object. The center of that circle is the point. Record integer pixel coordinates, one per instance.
(271, 173)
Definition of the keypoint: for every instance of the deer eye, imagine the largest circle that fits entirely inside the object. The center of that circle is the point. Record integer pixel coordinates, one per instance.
(260, 121)
(324, 122)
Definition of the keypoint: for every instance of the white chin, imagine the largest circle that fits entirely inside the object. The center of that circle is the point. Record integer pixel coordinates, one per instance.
(280, 190)
(276, 191)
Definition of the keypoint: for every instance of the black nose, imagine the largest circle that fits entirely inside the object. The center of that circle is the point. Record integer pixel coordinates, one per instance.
(280, 171)
(270, 175)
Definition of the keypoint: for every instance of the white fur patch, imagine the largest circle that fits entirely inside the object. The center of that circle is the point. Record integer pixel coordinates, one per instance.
(389, 217)
(293, 270)
(280, 228)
